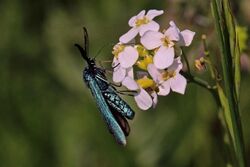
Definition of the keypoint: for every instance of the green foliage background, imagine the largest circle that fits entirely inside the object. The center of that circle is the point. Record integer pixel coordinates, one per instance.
(48, 117)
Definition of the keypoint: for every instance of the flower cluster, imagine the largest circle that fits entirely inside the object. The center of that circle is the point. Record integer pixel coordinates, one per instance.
(155, 57)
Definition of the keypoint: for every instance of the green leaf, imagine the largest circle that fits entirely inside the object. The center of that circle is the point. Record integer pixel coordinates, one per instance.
(234, 44)
(226, 112)
(230, 61)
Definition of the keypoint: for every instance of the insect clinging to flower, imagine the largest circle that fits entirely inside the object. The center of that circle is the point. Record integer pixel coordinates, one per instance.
(114, 110)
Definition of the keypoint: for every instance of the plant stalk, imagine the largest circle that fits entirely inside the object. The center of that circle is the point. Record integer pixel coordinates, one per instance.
(229, 87)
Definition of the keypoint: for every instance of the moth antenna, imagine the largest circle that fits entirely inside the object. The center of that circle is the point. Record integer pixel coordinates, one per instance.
(86, 41)
(83, 52)
(85, 49)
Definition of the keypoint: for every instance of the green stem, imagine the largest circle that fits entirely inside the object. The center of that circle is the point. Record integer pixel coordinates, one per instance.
(192, 78)
(198, 81)
(186, 61)
(207, 57)
(226, 61)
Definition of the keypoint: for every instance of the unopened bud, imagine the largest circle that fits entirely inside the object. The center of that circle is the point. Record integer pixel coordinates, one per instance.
(200, 64)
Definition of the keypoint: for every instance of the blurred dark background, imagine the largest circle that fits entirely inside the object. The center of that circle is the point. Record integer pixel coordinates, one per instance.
(48, 117)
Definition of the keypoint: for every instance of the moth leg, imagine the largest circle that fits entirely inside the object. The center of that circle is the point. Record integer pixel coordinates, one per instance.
(104, 61)
(113, 67)
(116, 84)
(110, 70)
(113, 85)
(121, 93)
(100, 70)
(110, 83)
(127, 92)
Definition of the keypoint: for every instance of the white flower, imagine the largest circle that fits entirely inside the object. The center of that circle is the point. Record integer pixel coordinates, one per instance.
(141, 23)
(143, 100)
(186, 36)
(165, 42)
(155, 58)
(124, 59)
(164, 56)
(146, 96)
(169, 79)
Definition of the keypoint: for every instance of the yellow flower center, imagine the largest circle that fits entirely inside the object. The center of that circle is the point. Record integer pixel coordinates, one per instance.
(167, 42)
(141, 50)
(117, 49)
(148, 84)
(168, 74)
(145, 82)
(142, 21)
(145, 56)
(143, 64)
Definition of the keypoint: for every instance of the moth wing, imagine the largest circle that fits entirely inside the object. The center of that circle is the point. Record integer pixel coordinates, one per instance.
(118, 103)
(112, 98)
(105, 111)
(121, 120)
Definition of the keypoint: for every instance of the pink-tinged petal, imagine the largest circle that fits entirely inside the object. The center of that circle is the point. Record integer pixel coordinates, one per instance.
(131, 21)
(128, 57)
(178, 59)
(128, 36)
(186, 38)
(151, 40)
(154, 73)
(176, 66)
(151, 26)
(164, 57)
(130, 83)
(178, 84)
(141, 14)
(153, 13)
(155, 99)
(143, 100)
(164, 88)
(172, 23)
(172, 33)
(130, 72)
(119, 74)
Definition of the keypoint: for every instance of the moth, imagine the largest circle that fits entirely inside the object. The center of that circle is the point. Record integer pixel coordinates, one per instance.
(114, 110)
